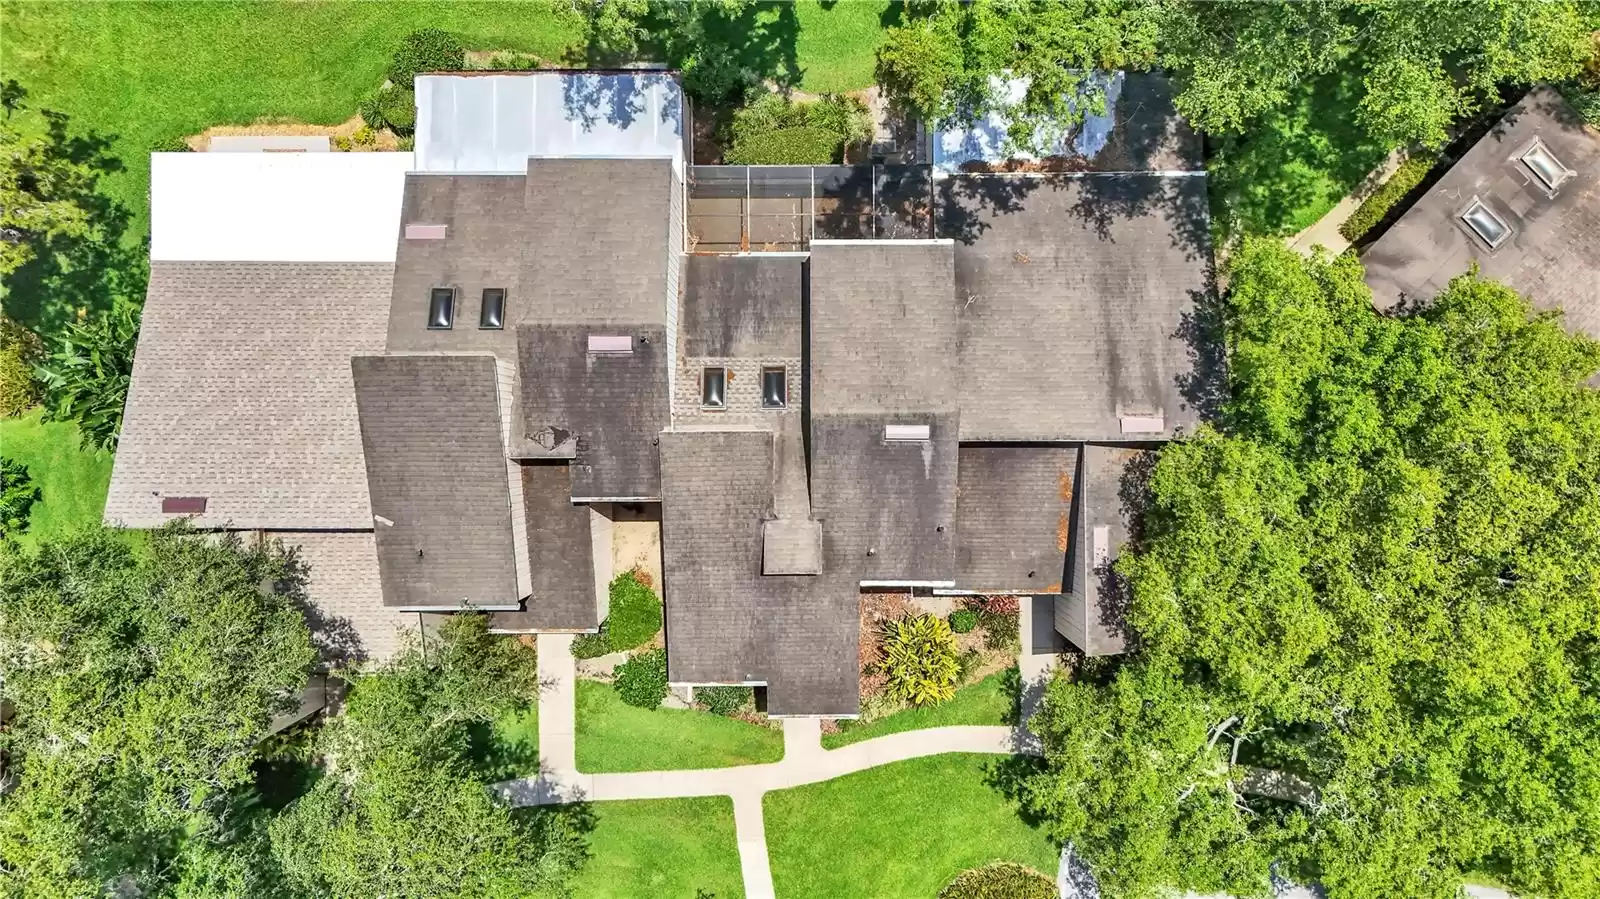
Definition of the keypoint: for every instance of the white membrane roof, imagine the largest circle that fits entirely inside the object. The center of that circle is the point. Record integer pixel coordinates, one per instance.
(276, 207)
(494, 123)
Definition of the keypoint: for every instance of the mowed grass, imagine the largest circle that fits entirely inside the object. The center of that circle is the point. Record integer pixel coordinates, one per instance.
(72, 481)
(661, 847)
(992, 700)
(837, 46)
(508, 747)
(615, 736)
(899, 830)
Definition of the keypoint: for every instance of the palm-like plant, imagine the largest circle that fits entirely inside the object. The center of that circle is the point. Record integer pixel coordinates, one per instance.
(86, 379)
(920, 658)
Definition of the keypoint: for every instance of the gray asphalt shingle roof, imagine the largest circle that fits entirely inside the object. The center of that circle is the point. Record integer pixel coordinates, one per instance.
(742, 306)
(1013, 517)
(1092, 615)
(561, 556)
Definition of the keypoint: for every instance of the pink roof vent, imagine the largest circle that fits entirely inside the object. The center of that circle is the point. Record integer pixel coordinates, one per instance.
(183, 505)
(427, 232)
(610, 345)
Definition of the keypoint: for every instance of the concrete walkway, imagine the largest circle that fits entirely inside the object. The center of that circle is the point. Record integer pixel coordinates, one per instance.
(1325, 231)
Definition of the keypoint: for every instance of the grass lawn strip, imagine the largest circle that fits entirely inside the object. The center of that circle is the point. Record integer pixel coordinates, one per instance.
(509, 747)
(661, 847)
(899, 830)
(614, 736)
(989, 701)
(72, 482)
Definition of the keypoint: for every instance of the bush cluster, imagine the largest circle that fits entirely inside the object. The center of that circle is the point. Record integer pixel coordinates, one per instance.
(642, 680)
(755, 129)
(428, 50)
(725, 701)
(788, 146)
(591, 646)
(963, 620)
(921, 660)
(20, 351)
(999, 618)
(1374, 208)
(1000, 880)
(635, 615)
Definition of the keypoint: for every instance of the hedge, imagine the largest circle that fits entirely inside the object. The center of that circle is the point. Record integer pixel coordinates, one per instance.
(642, 680)
(1000, 880)
(788, 146)
(1374, 208)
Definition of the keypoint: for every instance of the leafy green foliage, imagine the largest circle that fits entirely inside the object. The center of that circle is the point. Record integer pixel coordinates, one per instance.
(1373, 209)
(963, 620)
(1000, 880)
(20, 351)
(635, 613)
(939, 63)
(725, 701)
(427, 50)
(716, 44)
(920, 659)
(846, 117)
(591, 646)
(142, 682)
(789, 146)
(17, 496)
(1378, 578)
(642, 680)
(85, 379)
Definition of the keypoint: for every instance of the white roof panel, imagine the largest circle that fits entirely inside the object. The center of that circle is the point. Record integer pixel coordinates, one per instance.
(986, 141)
(276, 207)
(494, 123)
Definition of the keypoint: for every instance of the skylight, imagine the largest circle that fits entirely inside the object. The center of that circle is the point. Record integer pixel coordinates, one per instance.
(775, 387)
(714, 388)
(1545, 166)
(906, 432)
(493, 314)
(1483, 221)
(441, 308)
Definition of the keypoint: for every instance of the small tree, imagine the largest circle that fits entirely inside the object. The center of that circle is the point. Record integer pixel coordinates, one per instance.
(921, 660)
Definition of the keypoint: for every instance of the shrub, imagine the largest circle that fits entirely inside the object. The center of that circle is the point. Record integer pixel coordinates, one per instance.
(407, 144)
(20, 351)
(788, 146)
(170, 145)
(513, 61)
(86, 378)
(591, 646)
(371, 111)
(363, 136)
(963, 620)
(635, 615)
(998, 616)
(725, 701)
(1000, 880)
(428, 50)
(343, 143)
(919, 655)
(642, 680)
(845, 116)
(17, 496)
(1374, 208)
(398, 106)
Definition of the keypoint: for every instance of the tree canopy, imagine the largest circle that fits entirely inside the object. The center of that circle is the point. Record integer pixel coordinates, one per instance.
(1381, 576)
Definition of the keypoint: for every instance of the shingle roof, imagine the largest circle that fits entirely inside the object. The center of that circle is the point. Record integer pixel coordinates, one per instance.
(560, 554)
(1092, 615)
(348, 620)
(1013, 517)
(436, 469)
(1076, 300)
(1553, 254)
(614, 405)
(742, 306)
(241, 393)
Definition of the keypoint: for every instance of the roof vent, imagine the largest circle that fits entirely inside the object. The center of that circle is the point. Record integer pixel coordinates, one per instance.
(1101, 548)
(426, 232)
(1483, 221)
(1154, 423)
(183, 505)
(610, 345)
(906, 432)
(1545, 166)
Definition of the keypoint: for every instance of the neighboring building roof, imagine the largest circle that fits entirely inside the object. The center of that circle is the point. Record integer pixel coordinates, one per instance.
(1076, 298)
(436, 470)
(482, 123)
(241, 394)
(1013, 517)
(348, 620)
(275, 207)
(561, 554)
(612, 405)
(1091, 616)
(743, 306)
(1553, 252)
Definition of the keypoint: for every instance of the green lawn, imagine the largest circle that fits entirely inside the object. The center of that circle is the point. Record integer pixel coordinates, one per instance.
(72, 482)
(900, 830)
(837, 46)
(661, 847)
(615, 736)
(1293, 166)
(509, 747)
(992, 700)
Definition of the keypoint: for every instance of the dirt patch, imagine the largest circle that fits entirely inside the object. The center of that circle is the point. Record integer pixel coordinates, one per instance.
(384, 140)
(636, 546)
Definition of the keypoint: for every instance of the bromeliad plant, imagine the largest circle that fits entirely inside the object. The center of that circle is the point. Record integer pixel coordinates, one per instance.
(921, 660)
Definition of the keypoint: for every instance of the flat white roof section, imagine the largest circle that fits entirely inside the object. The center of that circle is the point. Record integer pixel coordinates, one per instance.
(276, 207)
(494, 123)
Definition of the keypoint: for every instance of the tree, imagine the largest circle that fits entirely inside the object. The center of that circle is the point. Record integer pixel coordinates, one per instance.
(942, 64)
(723, 48)
(1384, 566)
(86, 379)
(17, 496)
(142, 682)
(44, 186)
(399, 811)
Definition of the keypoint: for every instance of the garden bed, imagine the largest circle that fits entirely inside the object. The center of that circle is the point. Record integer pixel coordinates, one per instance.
(990, 701)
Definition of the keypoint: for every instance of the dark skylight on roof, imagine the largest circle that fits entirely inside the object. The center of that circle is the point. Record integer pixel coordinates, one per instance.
(1483, 221)
(441, 309)
(1545, 166)
(493, 313)
(714, 388)
(774, 387)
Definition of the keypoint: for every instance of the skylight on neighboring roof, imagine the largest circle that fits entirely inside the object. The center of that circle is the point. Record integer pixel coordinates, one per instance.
(775, 387)
(441, 308)
(906, 432)
(183, 505)
(1490, 228)
(493, 314)
(1545, 166)
(714, 388)
(426, 232)
(610, 345)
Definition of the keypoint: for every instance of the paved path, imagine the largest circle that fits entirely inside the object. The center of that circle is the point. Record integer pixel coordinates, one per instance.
(1324, 232)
